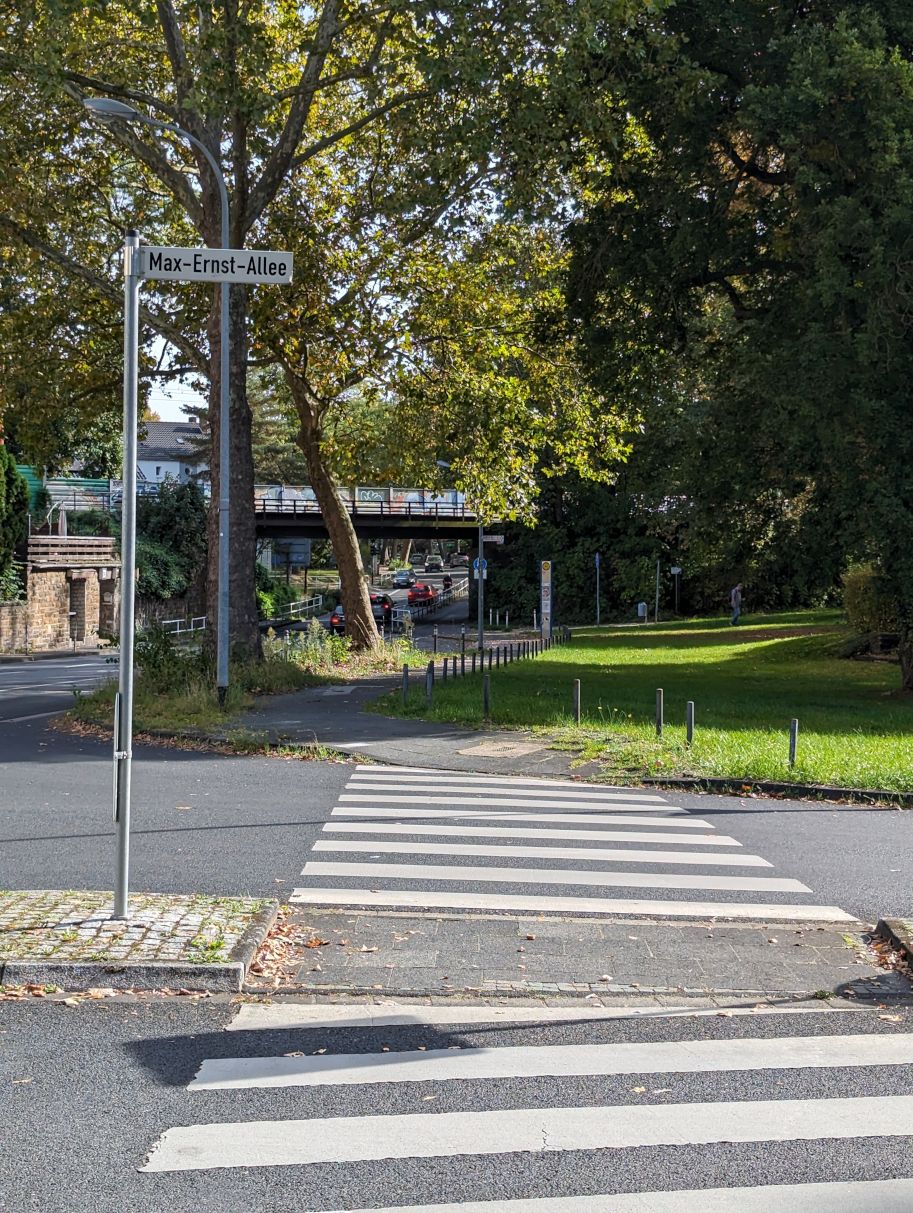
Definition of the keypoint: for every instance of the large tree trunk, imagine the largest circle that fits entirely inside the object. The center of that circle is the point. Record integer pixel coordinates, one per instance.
(905, 651)
(242, 610)
(360, 625)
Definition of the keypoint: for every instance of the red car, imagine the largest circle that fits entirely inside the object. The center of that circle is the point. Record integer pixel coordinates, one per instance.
(421, 592)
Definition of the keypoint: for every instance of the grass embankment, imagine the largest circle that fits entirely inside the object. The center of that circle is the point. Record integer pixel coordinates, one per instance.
(856, 730)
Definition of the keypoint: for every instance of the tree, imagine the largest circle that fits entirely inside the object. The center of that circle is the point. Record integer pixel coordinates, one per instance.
(14, 510)
(740, 265)
(359, 136)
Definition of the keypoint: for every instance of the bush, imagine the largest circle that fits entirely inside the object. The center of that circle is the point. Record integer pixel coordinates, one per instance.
(868, 606)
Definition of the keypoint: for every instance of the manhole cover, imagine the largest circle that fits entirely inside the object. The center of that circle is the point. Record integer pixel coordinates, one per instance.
(501, 749)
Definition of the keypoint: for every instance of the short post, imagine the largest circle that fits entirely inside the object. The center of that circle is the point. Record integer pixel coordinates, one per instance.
(434, 639)
(793, 741)
(498, 617)
(535, 620)
(498, 657)
(689, 721)
(490, 658)
(659, 711)
(486, 697)
(473, 664)
(405, 684)
(576, 701)
(444, 674)
(463, 641)
(429, 683)
(491, 616)
(507, 619)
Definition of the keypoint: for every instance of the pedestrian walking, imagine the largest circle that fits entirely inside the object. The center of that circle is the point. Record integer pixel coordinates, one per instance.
(735, 601)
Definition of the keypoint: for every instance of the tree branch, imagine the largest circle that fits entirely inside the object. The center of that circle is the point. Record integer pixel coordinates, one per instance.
(117, 90)
(353, 128)
(283, 153)
(75, 269)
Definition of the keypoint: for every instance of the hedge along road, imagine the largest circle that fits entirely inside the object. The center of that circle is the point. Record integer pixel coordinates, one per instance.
(747, 683)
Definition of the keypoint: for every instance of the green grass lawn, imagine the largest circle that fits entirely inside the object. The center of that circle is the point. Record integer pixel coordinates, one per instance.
(856, 729)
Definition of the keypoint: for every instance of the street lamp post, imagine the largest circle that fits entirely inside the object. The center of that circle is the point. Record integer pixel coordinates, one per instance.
(108, 110)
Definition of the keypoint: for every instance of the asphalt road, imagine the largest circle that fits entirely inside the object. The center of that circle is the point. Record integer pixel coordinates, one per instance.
(89, 1093)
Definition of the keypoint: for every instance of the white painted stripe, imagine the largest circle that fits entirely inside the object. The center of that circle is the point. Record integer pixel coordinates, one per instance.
(537, 903)
(596, 854)
(556, 1061)
(337, 1139)
(293, 1016)
(520, 802)
(404, 774)
(32, 716)
(619, 880)
(465, 831)
(665, 823)
(862, 1196)
(357, 783)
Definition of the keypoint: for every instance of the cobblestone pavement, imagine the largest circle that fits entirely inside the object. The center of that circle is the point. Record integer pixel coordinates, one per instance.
(68, 926)
(539, 956)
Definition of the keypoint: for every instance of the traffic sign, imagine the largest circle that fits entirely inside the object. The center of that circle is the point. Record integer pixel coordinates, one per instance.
(492, 538)
(214, 264)
(475, 564)
(545, 597)
(675, 570)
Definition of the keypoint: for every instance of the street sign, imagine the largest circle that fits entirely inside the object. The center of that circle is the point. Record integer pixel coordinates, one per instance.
(597, 560)
(492, 538)
(675, 570)
(475, 574)
(545, 597)
(214, 264)
(475, 565)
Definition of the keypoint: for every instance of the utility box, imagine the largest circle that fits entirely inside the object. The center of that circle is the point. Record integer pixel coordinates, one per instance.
(642, 611)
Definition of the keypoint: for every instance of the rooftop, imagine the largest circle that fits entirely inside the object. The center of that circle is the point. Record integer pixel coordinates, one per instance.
(179, 440)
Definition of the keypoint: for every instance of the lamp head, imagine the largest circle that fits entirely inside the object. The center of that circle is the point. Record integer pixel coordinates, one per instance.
(107, 109)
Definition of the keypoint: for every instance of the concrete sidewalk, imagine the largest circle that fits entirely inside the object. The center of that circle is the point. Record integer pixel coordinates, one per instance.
(336, 717)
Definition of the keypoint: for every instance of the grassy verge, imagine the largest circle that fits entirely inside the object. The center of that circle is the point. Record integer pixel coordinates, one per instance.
(856, 730)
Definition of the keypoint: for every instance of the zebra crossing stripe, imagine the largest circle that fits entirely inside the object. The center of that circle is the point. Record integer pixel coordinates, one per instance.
(554, 876)
(296, 1016)
(596, 854)
(357, 783)
(518, 802)
(593, 818)
(541, 904)
(556, 1061)
(865, 1196)
(465, 831)
(278, 1143)
(406, 774)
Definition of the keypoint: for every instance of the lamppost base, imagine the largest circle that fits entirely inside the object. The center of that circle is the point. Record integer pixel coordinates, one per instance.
(222, 693)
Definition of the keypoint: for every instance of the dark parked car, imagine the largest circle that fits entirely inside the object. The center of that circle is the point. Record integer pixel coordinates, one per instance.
(403, 579)
(459, 561)
(434, 564)
(381, 609)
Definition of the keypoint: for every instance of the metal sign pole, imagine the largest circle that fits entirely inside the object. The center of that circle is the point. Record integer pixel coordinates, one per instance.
(597, 589)
(123, 736)
(481, 637)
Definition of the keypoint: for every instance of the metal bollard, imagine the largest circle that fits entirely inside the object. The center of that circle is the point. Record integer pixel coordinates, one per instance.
(462, 664)
(498, 657)
(434, 639)
(444, 674)
(576, 701)
(429, 683)
(793, 741)
(490, 658)
(689, 721)
(405, 685)
(507, 619)
(535, 624)
(473, 663)
(486, 697)
(659, 711)
(463, 641)
(491, 616)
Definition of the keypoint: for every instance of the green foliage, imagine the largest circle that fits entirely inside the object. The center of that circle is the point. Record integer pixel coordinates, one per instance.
(164, 666)
(12, 584)
(171, 539)
(91, 522)
(14, 509)
(868, 606)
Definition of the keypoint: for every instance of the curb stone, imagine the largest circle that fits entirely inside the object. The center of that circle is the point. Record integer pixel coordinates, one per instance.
(151, 975)
(821, 791)
(899, 933)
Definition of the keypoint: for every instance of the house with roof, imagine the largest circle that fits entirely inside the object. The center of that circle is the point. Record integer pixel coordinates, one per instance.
(172, 450)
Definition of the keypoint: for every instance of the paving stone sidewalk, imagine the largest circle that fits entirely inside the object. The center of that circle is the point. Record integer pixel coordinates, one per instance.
(393, 954)
(70, 937)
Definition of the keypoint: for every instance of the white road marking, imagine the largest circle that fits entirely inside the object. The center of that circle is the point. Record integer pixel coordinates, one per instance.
(593, 818)
(863, 1196)
(339, 1139)
(628, 880)
(556, 1061)
(596, 854)
(521, 802)
(537, 903)
(484, 787)
(292, 1016)
(465, 831)
(32, 716)
(437, 773)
